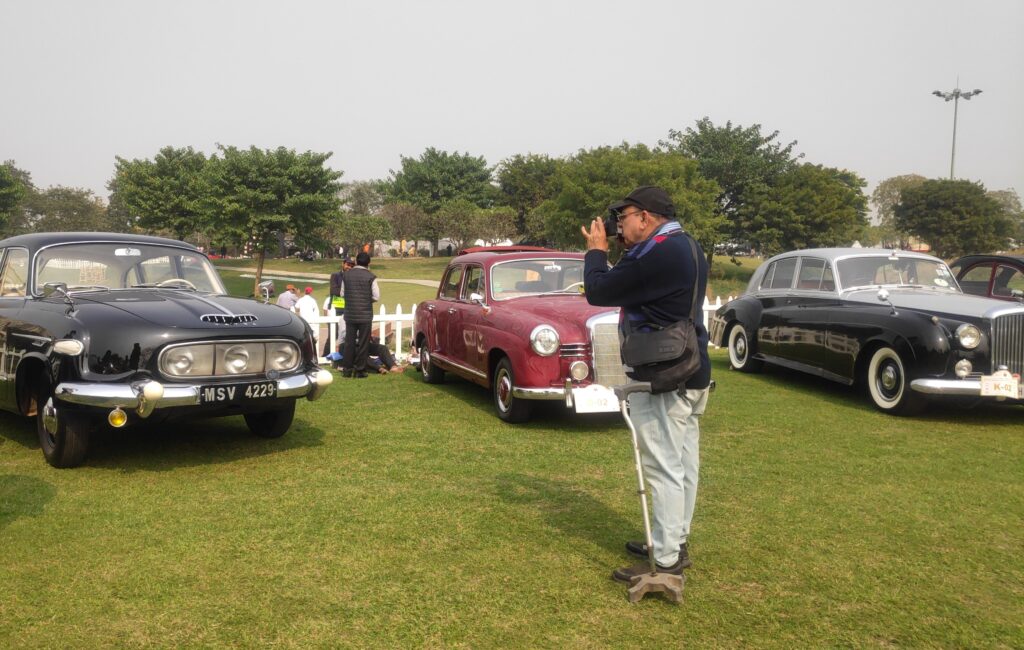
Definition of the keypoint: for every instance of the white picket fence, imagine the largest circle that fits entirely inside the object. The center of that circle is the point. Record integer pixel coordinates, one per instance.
(400, 323)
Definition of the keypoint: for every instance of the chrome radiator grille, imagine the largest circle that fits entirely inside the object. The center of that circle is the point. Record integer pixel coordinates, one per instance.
(1008, 342)
(607, 362)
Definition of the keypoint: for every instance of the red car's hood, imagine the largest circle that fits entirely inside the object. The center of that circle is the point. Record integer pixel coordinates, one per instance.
(562, 311)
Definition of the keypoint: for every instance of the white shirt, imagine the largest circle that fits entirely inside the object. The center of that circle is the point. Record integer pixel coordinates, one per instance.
(306, 307)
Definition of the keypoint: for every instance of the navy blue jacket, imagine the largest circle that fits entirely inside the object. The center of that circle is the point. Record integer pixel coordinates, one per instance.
(657, 274)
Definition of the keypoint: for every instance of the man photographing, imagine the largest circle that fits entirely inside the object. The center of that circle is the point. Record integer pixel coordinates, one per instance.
(654, 284)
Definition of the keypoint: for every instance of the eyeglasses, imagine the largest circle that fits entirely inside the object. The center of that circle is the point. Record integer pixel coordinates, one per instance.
(622, 217)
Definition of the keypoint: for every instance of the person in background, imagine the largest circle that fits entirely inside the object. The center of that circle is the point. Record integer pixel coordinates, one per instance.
(306, 305)
(361, 291)
(336, 298)
(287, 299)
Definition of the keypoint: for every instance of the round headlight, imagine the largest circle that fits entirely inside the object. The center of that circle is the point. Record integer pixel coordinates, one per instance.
(282, 356)
(969, 336)
(236, 359)
(544, 340)
(579, 370)
(179, 362)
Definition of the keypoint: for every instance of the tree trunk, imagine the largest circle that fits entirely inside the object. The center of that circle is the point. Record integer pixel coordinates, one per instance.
(260, 255)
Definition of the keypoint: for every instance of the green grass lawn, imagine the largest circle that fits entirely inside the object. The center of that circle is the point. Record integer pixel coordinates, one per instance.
(398, 514)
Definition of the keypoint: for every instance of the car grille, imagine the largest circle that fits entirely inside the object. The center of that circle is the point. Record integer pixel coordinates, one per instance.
(228, 319)
(1008, 342)
(574, 351)
(607, 362)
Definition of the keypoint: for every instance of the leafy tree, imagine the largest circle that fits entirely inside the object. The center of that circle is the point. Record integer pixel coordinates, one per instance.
(807, 207)
(358, 229)
(362, 197)
(885, 198)
(406, 220)
(1009, 200)
(257, 194)
(587, 183)
(495, 225)
(438, 177)
(165, 194)
(740, 159)
(459, 220)
(12, 192)
(954, 217)
(525, 182)
(66, 209)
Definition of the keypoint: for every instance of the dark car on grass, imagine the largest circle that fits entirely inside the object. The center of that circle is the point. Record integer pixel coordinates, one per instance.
(995, 276)
(113, 330)
(895, 321)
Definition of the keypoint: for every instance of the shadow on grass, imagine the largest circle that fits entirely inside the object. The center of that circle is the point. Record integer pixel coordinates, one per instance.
(23, 496)
(570, 510)
(168, 445)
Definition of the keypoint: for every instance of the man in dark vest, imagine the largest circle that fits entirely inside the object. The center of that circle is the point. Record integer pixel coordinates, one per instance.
(361, 291)
(336, 301)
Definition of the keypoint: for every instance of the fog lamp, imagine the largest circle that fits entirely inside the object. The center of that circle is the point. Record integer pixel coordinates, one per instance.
(117, 418)
(579, 370)
(962, 368)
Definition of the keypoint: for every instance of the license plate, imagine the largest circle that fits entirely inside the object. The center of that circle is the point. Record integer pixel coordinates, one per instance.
(228, 393)
(992, 386)
(595, 399)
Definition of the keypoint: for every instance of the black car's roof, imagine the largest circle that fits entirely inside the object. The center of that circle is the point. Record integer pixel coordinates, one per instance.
(980, 257)
(35, 241)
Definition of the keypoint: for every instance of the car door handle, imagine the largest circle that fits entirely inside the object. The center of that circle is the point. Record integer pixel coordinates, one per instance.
(430, 308)
(451, 310)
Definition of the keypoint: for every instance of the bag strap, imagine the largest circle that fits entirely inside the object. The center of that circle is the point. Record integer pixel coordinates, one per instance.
(696, 280)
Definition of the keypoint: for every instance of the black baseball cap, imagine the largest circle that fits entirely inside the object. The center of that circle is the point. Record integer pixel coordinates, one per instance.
(647, 197)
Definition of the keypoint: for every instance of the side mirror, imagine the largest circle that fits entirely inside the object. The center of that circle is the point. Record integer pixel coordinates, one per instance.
(51, 288)
(883, 295)
(1017, 293)
(265, 288)
(477, 298)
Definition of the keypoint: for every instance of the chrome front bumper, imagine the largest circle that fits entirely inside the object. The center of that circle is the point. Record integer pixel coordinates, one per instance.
(968, 387)
(146, 396)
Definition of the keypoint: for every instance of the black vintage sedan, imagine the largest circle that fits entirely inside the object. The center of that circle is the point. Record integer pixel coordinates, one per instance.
(101, 329)
(894, 320)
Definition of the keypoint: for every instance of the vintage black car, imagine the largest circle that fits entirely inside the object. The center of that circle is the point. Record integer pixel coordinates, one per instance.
(101, 329)
(996, 276)
(894, 320)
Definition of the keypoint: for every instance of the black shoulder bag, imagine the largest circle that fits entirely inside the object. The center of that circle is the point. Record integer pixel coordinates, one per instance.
(665, 356)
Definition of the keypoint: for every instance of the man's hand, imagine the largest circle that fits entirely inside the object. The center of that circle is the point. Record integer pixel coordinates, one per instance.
(596, 237)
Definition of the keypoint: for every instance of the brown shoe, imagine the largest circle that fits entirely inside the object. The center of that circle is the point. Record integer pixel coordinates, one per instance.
(627, 574)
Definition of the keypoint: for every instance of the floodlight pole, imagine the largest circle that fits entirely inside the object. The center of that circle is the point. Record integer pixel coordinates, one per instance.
(955, 95)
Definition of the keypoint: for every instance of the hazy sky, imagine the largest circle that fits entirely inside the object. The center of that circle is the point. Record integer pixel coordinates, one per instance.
(85, 81)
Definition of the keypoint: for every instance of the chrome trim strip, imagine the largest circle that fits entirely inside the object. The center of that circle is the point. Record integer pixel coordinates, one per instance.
(539, 393)
(126, 396)
(472, 371)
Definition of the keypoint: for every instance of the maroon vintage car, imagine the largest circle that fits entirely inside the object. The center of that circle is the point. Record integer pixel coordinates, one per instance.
(515, 320)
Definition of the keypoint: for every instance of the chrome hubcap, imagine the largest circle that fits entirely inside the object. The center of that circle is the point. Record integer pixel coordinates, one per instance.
(504, 391)
(741, 347)
(50, 417)
(889, 378)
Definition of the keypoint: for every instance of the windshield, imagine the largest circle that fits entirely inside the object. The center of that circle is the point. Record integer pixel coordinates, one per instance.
(870, 271)
(122, 265)
(536, 276)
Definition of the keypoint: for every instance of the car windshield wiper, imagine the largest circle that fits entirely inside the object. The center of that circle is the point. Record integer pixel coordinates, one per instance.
(87, 287)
